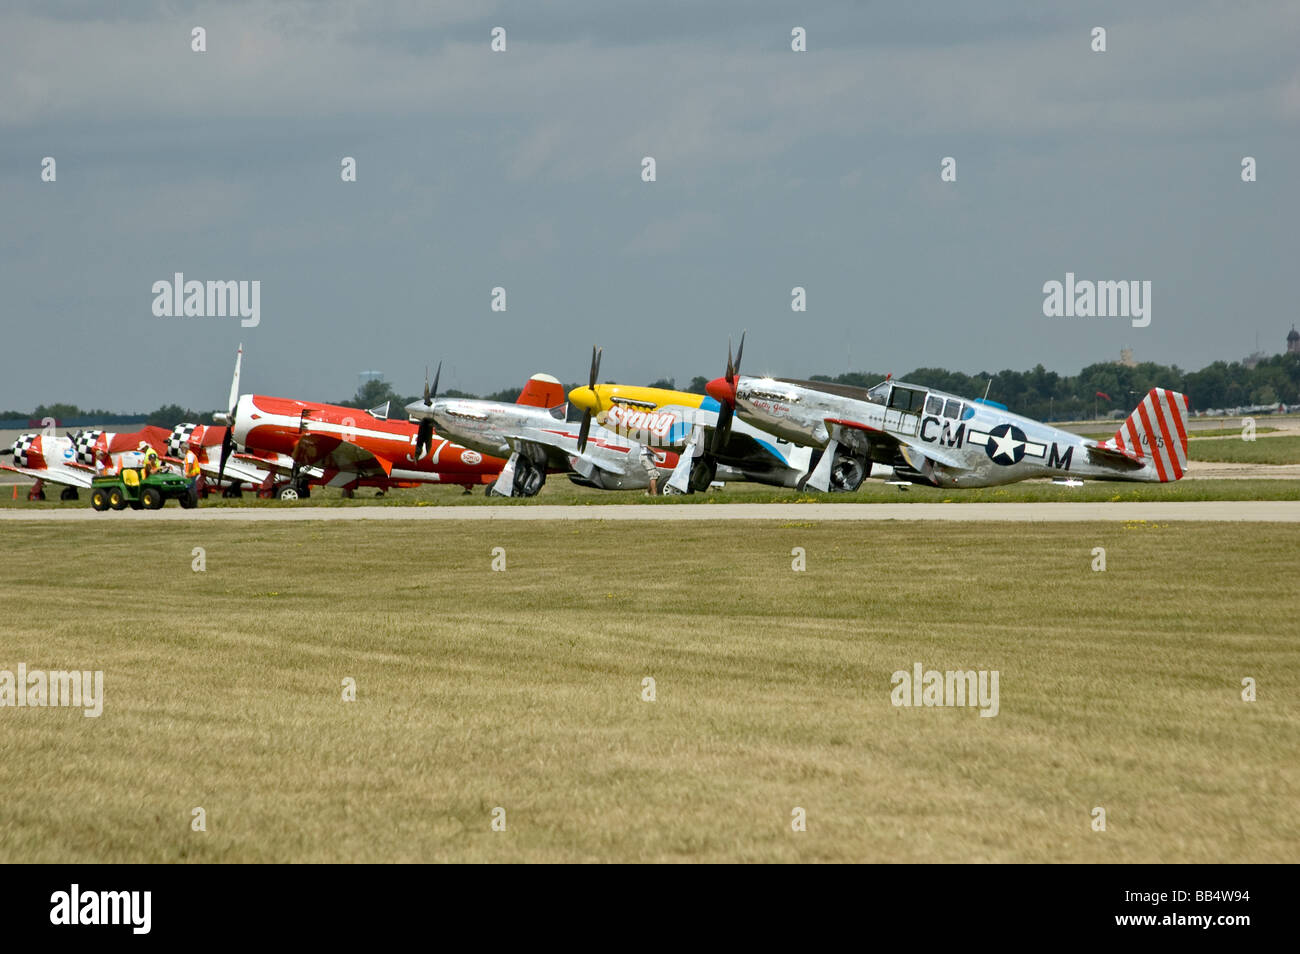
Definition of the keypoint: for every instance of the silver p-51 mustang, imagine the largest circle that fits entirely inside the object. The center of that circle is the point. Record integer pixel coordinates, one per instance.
(932, 437)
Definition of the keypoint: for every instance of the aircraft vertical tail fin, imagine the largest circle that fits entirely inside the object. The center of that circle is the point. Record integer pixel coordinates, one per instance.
(542, 390)
(1157, 431)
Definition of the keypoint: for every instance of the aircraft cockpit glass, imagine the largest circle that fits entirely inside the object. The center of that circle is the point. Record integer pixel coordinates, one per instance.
(906, 399)
(934, 405)
(879, 394)
(952, 409)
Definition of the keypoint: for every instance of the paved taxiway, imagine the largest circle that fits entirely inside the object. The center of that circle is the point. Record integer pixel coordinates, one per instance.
(1254, 511)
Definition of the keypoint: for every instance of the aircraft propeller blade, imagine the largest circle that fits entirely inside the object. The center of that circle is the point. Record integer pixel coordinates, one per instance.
(424, 434)
(227, 445)
(585, 430)
(423, 438)
(722, 431)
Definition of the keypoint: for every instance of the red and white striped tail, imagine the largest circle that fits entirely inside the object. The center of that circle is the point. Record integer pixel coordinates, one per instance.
(1157, 431)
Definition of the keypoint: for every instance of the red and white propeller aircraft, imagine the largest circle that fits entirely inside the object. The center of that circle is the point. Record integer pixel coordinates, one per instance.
(71, 460)
(336, 446)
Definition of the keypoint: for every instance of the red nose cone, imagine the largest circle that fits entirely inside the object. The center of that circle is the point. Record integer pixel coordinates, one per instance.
(721, 391)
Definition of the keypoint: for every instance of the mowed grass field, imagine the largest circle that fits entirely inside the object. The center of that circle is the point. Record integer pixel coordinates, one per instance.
(1282, 449)
(523, 689)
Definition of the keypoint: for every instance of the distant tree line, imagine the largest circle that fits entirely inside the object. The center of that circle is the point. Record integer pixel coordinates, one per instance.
(1039, 393)
(1046, 395)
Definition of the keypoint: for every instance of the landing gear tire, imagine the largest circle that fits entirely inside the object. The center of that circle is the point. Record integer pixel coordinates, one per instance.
(529, 478)
(232, 492)
(69, 493)
(285, 493)
(99, 499)
(303, 488)
(36, 495)
(348, 493)
(848, 473)
(702, 473)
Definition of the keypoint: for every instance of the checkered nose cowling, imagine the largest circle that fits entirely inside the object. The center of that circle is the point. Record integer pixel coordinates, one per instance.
(179, 440)
(21, 447)
(84, 445)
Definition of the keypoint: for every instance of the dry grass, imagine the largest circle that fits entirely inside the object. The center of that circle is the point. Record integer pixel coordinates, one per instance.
(522, 689)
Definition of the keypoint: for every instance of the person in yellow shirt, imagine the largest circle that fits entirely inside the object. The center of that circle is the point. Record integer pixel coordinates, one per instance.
(151, 462)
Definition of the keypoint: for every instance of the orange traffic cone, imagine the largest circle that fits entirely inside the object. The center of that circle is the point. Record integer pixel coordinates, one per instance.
(15, 491)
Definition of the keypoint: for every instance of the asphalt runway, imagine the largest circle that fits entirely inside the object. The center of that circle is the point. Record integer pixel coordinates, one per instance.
(1252, 511)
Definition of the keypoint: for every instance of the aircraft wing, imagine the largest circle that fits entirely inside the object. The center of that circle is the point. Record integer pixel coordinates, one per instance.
(241, 467)
(67, 476)
(750, 451)
(334, 453)
(856, 434)
(560, 451)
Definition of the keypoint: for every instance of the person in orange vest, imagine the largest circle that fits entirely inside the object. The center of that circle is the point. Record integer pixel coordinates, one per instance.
(193, 471)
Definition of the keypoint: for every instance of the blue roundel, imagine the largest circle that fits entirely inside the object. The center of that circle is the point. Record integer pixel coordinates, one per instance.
(1006, 444)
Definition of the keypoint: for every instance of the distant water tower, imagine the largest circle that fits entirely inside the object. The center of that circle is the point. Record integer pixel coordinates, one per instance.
(365, 377)
(1293, 341)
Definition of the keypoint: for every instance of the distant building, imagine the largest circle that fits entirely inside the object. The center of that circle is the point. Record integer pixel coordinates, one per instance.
(1293, 341)
(1126, 358)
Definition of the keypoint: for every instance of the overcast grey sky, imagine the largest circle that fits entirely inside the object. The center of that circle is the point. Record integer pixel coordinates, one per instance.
(522, 169)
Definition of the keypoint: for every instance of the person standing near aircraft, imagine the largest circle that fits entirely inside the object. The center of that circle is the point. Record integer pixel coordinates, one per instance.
(193, 471)
(647, 457)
